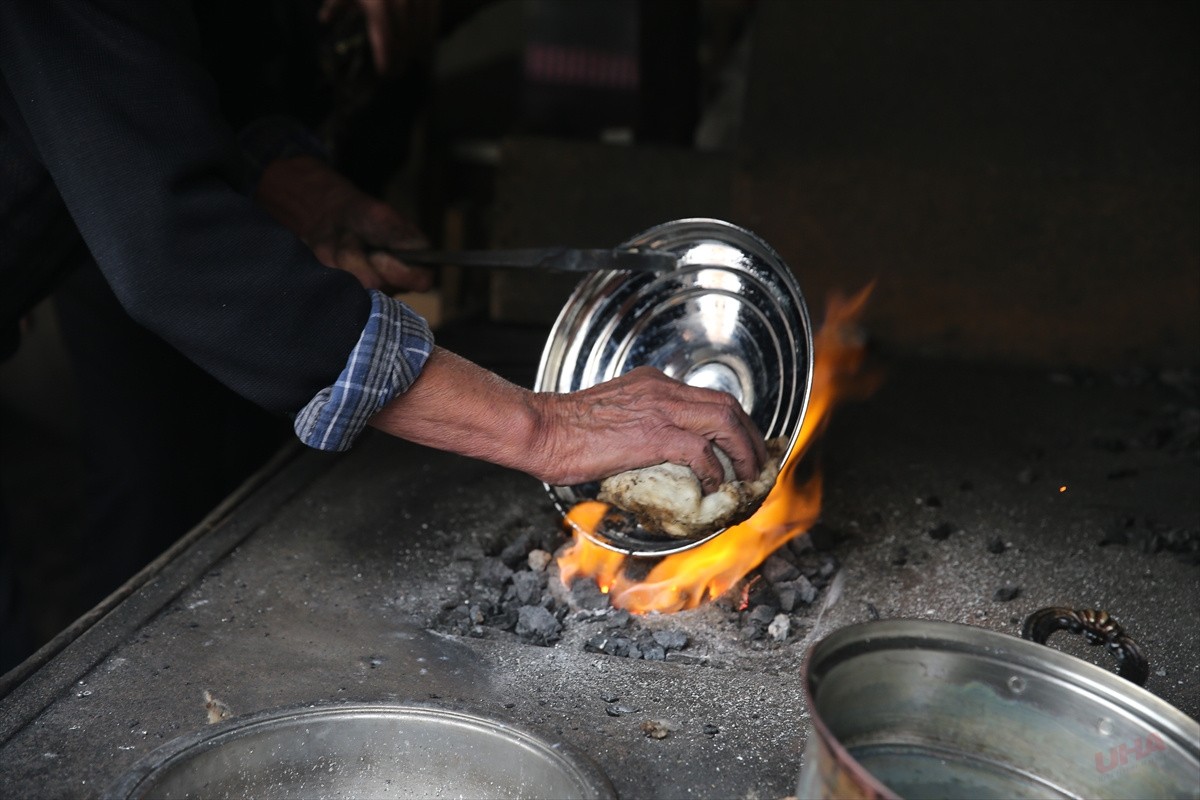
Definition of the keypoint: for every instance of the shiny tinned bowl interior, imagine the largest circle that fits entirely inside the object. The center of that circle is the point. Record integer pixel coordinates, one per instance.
(730, 316)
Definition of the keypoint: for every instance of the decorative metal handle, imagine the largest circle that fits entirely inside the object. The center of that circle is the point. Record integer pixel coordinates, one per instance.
(1098, 628)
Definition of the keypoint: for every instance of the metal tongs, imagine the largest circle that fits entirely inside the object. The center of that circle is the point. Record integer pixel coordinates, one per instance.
(555, 259)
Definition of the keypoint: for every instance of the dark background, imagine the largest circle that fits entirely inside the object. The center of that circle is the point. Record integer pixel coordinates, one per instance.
(1019, 179)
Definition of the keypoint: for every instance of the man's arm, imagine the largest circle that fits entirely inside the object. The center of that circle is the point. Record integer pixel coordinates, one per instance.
(118, 109)
(636, 420)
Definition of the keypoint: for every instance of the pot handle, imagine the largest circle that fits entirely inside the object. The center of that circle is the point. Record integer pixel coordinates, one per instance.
(1098, 628)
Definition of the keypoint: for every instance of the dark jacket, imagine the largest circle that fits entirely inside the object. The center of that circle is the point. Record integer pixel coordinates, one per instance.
(111, 139)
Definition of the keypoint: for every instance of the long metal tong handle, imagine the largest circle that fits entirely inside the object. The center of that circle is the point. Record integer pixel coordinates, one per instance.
(559, 259)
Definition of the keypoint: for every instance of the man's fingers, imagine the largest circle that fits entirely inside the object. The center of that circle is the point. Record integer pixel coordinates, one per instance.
(705, 464)
(720, 418)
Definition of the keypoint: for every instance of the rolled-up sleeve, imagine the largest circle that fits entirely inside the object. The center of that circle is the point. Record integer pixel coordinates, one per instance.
(389, 356)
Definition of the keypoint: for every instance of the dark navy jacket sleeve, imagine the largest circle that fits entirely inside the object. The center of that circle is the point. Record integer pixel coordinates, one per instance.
(112, 99)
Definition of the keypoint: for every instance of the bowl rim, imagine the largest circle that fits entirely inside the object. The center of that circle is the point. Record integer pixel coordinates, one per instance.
(591, 779)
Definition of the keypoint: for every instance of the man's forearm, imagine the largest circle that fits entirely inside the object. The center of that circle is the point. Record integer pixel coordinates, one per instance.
(635, 420)
(458, 406)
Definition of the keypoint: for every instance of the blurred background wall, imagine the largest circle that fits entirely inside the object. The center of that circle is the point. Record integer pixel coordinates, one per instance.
(1018, 178)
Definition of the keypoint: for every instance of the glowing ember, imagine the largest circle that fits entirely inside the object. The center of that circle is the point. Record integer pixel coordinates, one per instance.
(685, 580)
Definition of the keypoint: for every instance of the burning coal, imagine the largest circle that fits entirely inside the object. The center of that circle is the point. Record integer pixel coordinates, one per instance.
(685, 580)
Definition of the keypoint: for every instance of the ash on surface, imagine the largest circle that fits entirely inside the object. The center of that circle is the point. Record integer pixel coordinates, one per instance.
(513, 588)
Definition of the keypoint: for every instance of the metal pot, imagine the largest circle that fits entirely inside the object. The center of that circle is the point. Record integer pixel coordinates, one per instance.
(916, 708)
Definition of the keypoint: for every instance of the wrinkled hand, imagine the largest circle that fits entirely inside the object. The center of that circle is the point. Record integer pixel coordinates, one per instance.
(346, 228)
(644, 418)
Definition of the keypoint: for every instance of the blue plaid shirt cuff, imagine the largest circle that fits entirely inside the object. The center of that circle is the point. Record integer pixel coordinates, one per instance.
(387, 359)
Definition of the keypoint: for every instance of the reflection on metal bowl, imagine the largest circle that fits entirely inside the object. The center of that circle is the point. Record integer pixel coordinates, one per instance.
(729, 317)
(356, 751)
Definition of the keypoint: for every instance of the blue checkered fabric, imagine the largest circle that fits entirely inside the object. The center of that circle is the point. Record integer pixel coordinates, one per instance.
(387, 359)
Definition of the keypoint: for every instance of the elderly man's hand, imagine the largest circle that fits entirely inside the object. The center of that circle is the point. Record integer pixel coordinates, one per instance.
(346, 228)
(636, 420)
(644, 418)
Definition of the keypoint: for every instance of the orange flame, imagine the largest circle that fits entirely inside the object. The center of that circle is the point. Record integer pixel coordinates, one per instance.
(685, 580)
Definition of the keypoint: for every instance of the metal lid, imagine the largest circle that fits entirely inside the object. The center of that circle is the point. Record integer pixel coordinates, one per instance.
(730, 316)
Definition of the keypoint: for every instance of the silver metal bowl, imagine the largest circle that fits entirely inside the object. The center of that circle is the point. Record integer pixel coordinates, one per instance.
(729, 317)
(355, 751)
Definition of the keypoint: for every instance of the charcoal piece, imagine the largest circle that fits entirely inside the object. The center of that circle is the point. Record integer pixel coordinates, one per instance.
(753, 632)
(779, 628)
(528, 587)
(671, 639)
(799, 545)
(1026, 476)
(475, 615)
(763, 593)
(933, 501)
(455, 601)
(789, 597)
(493, 573)
(537, 625)
(872, 611)
(539, 560)
(609, 697)
(762, 615)
(710, 729)
(777, 570)
(792, 593)
(900, 558)
(941, 532)
(653, 652)
(505, 619)
(996, 545)
(488, 595)
(821, 537)
(618, 619)
(516, 552)
(610, 645)
(829, 565)
(586, 594)
(616, 646)
(1006, 593)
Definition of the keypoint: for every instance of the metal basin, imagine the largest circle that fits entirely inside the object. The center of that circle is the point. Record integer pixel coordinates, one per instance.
(729, 317)
(360, 751)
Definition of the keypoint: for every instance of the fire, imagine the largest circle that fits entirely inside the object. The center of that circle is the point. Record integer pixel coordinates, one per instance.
(685, 580)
